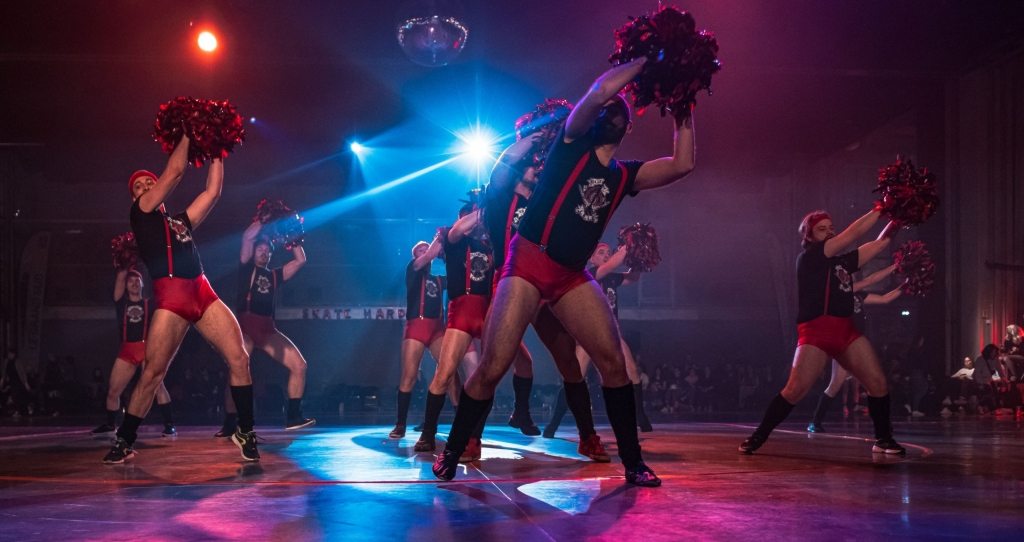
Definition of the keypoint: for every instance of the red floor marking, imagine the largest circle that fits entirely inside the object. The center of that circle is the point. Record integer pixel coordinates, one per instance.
(925, 452)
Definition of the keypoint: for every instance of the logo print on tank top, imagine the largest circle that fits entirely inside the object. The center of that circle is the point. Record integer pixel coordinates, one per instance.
(595, 197)
(262, 284)
(134, 313)
(611, 295)
(519, 214)
(845, 282)
(479, 264)
(431, 288)
(179, 229)
(857, 303)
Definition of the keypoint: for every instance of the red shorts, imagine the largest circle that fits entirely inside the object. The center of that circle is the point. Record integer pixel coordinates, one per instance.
(258, 328)
(134, 353)
(188, 298)
(829, 333)
(424, 330)
(526, 261)
(467, 313)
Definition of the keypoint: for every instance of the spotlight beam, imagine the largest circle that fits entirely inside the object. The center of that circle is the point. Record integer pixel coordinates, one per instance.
(320, 215)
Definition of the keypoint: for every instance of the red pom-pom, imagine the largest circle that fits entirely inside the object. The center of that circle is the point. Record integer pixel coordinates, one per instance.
(914, 262)
(286, 224)
(125, 251)
(547, 119)
(213, 127)
(907, 195)
(680, 60)
(641, 242)
(270, 209)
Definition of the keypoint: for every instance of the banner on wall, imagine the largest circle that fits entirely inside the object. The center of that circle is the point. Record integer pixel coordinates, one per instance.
(340, 313)
(33, 282)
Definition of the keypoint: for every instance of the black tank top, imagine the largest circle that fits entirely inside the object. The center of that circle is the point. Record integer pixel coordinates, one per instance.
(165, 243)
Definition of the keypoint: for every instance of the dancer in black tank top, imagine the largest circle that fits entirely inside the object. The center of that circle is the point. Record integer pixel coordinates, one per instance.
(510, 187)
(579, 189)
(840, 376)
(183, 297)
(825, 323)
(254, 306)
(133, 316)
(603, 263)
(424, 324)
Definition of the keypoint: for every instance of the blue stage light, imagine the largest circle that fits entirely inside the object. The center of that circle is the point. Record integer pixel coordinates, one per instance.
(479, 144)
(357, 148)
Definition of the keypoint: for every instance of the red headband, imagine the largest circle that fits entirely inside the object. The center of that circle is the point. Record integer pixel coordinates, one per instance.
(811, 224)
(136, 175)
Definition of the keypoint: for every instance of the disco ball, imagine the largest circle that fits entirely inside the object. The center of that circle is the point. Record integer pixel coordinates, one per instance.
(430, 32)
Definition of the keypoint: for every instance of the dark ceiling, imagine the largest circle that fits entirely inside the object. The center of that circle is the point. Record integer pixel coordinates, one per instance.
(799, 78)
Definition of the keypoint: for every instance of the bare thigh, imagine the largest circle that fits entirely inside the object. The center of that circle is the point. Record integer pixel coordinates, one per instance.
(808, 362)
(586, 315)
(838, 377)
(412, 355)
(514, 305)
(166, 330)
(219, 327)
(453, 349)
(559, 343)
(860, 360)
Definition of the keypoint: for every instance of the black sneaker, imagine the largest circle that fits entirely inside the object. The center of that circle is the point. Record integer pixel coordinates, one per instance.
(523, 422)
(120, 453)
(446, 465)
(299, 423)
(247, 443)
(419, 428)
(751, 445)
(169, 430)
(103, 430)
(815, 428)
(398, 431)
(888, 446)
(425, 443)
(642, 475)
(645, 425)
(549, 431)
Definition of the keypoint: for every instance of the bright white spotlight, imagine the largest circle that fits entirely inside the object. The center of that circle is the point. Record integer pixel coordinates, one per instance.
(357, 148)
(478, 145)
(207, 42)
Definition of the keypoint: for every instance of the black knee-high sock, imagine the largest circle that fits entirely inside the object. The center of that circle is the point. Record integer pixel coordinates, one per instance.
(478, 433)
(621, 407)
(561, 407)
(577, 397)
(165, 412)
(230, 422)
(777, 411)
(404, 398)
(435, 404)
(522, 388)
(294, 408)
(467, 416)
(242, 395)
(879, 409)
(638, 396)
(129, 429)
(111, 418)
(824, 402)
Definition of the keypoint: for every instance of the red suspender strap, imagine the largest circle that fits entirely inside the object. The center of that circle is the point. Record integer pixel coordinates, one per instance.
(248, 295)
(828, 284)
(618, 193)
(469, 267)
(170, 260)
(508, 223)
(569, 183)
(145, 317)
(423, 290)
(124, 324)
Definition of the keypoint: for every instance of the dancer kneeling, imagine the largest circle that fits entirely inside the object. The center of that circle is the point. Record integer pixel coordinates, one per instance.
(826, 302)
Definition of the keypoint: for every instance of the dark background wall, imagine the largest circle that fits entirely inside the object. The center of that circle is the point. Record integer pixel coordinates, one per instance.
(812, 99)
